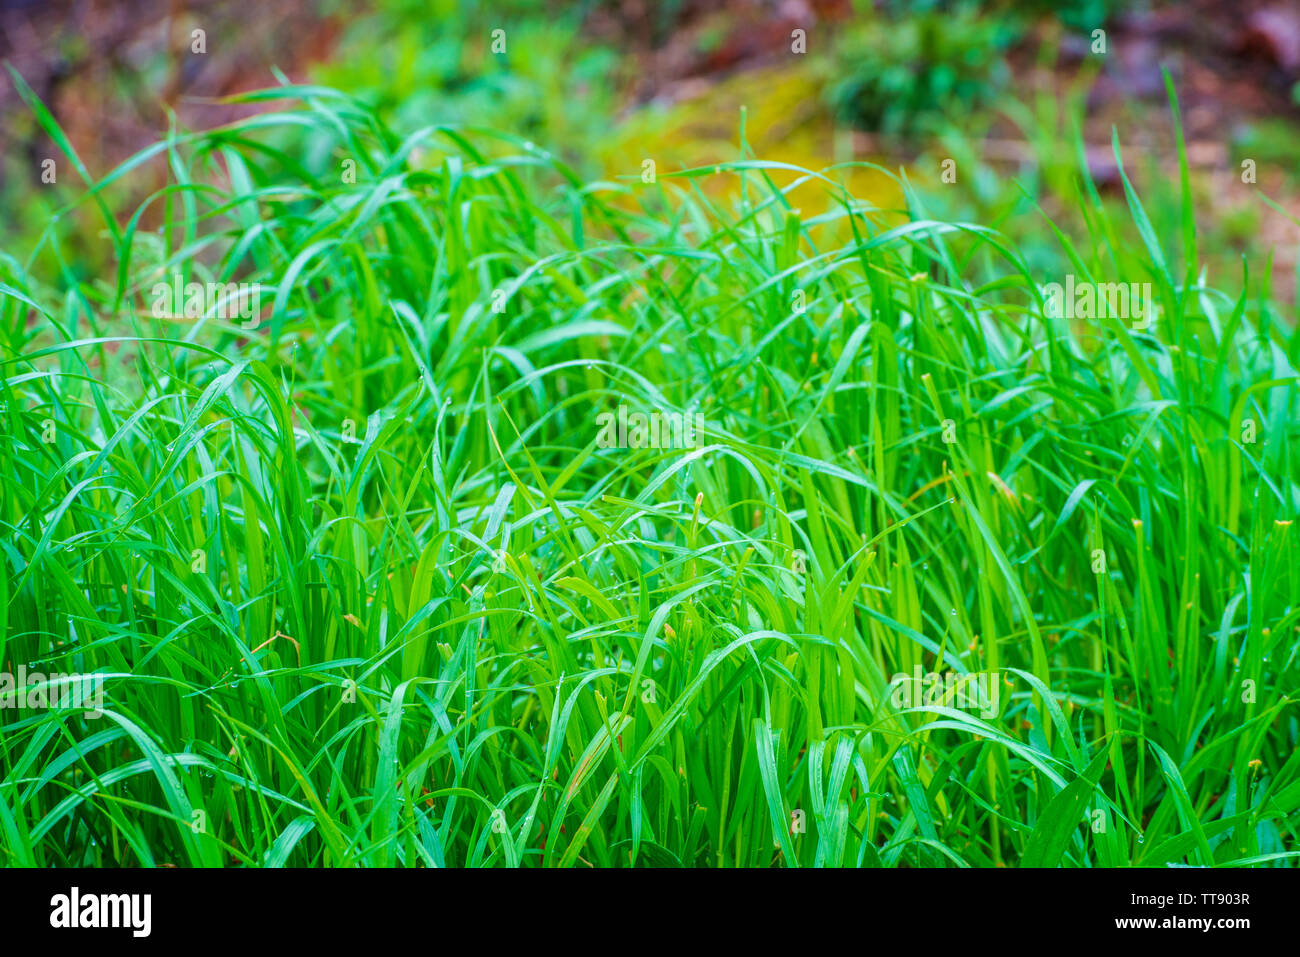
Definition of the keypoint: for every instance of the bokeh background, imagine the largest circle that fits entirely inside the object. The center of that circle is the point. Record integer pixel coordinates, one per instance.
(1011, 91)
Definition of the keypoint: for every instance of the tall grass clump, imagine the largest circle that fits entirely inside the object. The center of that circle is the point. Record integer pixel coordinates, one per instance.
(364, 587)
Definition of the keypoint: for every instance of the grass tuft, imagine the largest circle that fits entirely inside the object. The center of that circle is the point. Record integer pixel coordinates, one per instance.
(364, 586)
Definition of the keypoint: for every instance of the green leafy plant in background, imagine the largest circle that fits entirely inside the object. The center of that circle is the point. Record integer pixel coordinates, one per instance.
(910, 76)
(366, 590)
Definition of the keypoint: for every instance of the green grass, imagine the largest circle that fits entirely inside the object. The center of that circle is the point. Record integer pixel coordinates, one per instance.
(472, 636)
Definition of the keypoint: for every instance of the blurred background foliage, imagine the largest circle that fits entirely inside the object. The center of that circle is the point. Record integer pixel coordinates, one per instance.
(1013, 92)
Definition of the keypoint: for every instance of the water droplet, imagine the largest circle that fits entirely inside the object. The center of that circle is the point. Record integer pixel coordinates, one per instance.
(1141, 839)
(953, 612)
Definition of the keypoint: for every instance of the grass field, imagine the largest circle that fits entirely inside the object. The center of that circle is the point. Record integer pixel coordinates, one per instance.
(367, 585)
